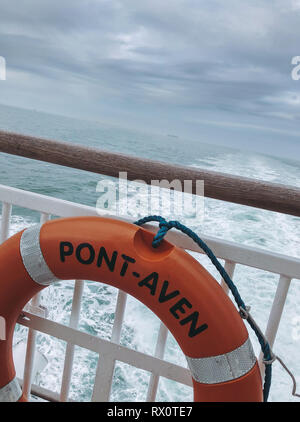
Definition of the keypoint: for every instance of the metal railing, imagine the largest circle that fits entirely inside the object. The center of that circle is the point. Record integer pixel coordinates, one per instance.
(240, 190)
(225, 187)
(286, 267)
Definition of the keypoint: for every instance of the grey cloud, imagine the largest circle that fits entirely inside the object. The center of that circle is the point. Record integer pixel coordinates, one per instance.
(181, 57)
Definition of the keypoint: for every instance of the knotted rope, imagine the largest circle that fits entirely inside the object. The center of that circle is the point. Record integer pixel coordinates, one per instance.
(268, 355)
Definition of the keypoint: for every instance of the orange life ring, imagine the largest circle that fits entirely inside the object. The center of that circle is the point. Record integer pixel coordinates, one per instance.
(169, 281)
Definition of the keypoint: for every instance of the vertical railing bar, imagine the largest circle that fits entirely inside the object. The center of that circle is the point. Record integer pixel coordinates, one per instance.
(229, 268)
(103, 379)
(119, 316)
(159, 353)
(30, 353)
(70, 349)
(5, 221)
(276, 313)
(31, 339)
(105, 369)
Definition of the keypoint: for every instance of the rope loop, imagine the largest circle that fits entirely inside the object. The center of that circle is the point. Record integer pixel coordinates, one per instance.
(164, 227)
(269, 362)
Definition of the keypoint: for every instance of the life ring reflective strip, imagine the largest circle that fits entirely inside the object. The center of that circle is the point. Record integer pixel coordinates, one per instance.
(11, 392)
(169, 281)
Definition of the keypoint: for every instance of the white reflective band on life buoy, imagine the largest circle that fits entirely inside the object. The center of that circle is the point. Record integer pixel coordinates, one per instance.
(33, 258)
(11, 392)
(222, 368)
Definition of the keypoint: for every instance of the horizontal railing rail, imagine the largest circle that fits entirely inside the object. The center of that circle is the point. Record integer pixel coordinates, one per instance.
(107, 348)
(225, 187)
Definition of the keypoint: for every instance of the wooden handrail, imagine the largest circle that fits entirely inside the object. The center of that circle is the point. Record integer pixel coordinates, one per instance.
(225, 187)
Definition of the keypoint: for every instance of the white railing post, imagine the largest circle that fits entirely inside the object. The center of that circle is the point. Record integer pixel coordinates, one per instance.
(276, 313)
(159, 353)
(31, 339)
(106, 364)
(229, 268)
(69, 356)
(103, 379)
(119, 316)
(5, 221)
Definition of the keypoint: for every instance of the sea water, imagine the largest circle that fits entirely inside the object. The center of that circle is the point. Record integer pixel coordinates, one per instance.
(244, 225)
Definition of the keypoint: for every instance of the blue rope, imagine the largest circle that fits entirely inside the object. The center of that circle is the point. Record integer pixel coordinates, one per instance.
(164, 227)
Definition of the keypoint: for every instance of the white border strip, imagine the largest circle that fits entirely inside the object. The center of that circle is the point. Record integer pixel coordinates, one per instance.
(222, 368)
(33, 258)
(11, 392)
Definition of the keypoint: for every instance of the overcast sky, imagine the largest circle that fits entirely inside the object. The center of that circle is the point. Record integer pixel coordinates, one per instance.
(214, 70)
